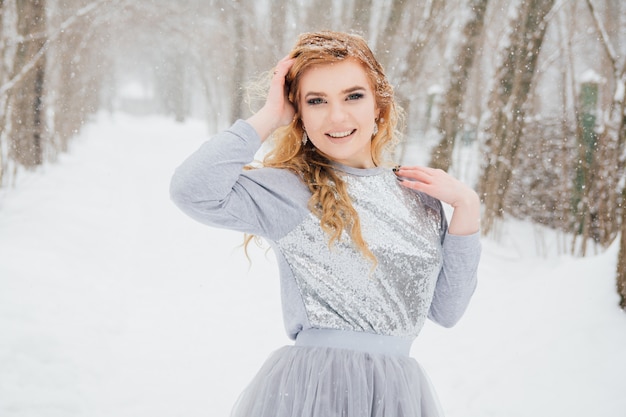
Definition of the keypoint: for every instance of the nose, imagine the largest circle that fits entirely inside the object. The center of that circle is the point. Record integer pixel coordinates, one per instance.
(337, 112)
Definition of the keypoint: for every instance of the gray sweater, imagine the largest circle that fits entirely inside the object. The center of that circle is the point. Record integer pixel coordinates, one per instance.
(421, 271)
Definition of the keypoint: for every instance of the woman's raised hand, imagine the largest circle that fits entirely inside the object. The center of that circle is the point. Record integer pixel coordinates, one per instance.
(443, 186)
(277, 110)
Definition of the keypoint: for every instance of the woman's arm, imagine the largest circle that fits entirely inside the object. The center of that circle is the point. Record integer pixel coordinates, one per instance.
(461, 240)
(457, 280)
(212, 186)
(205, 186)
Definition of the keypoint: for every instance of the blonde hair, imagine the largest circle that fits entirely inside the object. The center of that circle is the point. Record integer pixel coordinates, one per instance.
(329, 197)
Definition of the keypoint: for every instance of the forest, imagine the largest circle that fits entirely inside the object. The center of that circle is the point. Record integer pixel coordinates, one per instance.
(534, 89)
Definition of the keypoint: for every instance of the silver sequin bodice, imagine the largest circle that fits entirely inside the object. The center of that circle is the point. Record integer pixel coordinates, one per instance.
(337, 285)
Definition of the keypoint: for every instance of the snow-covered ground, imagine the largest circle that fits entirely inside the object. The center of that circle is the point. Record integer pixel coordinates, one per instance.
(113, 303)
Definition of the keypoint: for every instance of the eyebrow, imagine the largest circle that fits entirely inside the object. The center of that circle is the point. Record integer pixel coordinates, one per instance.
(346, 91)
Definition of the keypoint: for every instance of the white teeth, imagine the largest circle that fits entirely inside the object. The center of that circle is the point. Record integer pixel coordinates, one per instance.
(340, 134)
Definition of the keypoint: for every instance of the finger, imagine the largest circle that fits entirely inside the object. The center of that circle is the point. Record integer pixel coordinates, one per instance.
(418, 170)
(414, 174)
(412, 184)
(283, 66)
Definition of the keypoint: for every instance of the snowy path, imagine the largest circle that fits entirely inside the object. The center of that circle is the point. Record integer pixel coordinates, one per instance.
(113, 303)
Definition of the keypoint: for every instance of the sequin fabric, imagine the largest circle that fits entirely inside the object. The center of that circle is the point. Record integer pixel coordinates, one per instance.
(337, 284)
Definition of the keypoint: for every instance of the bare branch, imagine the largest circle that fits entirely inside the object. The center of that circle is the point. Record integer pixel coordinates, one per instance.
(606, 42)
(69, 22)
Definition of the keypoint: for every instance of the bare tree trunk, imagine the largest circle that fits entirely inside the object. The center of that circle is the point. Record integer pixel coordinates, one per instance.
(3, 98)
(361, 16)
(27, 106)
(278, 28)
(421, 30)
(508, 105)
(566, 78)
(66, 78)
(606, 168)
(451, 112)
(610, 168)
(319, 14)
(76, 66)
(621, 259)
(386, 37)
(430, 28)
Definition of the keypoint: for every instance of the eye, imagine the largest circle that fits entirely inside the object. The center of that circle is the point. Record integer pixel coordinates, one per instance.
(314, 101)
(355, 96)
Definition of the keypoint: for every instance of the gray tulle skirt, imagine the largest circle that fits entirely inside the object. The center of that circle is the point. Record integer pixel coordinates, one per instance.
(360, 378)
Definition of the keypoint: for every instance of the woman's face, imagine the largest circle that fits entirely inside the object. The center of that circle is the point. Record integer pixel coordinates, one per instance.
(338, 110)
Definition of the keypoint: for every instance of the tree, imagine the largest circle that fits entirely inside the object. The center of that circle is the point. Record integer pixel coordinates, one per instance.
(426, 28)
(76, 65)
(391, 26)
(3, 79)
(361, 13)
(27, 102)
(609, 165)
(278, 27)
(450, 116)
(514, 77)
(621, 258)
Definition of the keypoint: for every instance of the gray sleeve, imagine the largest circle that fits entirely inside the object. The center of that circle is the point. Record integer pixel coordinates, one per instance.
(457, 279)
(212, 187)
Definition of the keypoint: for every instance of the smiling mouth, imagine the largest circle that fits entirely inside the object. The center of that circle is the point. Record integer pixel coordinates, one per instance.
(339, 135)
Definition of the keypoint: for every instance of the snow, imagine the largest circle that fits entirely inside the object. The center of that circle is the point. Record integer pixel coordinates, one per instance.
(620, 88)
(435, 89)
(591, 76)
(134, 90)
(113, 303)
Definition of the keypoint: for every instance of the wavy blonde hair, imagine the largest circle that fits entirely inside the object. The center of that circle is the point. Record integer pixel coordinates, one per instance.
(329, 197)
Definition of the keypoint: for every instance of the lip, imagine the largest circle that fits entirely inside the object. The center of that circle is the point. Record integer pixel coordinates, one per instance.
(341, 138)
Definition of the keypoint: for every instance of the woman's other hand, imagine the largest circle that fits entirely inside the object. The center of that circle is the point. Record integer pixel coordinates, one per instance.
(443, 186)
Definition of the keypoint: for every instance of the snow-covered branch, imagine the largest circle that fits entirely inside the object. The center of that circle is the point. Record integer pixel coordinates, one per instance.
(63, 27)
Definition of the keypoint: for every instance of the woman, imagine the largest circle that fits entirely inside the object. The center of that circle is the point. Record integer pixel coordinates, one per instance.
(365, 252)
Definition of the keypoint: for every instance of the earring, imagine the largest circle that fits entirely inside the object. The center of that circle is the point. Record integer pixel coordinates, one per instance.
(305, 138)
(375, 129)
